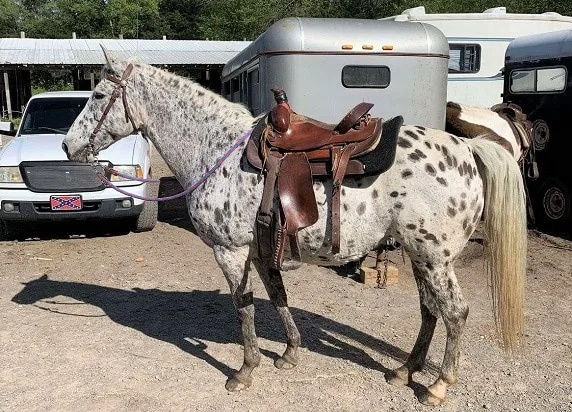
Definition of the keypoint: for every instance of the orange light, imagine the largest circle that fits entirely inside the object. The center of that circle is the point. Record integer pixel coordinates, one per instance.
(367, 47)
(347, 46)
(387, 47)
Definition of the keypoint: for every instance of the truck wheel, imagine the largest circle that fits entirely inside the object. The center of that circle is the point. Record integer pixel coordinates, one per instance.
(147, 219)
(554, 204)
(3, 232)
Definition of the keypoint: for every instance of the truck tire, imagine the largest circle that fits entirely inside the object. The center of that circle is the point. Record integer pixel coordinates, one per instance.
(10, 230)
(147, 219)
(554, 205)
(3, 232)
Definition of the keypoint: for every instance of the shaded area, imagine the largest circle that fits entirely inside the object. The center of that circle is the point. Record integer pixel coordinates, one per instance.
(174, 211)
(188, 319)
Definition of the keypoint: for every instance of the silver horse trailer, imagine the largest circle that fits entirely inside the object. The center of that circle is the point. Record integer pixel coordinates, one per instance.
(327, 66)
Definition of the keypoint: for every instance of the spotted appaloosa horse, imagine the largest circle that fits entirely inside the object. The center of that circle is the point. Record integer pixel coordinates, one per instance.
(430, 200)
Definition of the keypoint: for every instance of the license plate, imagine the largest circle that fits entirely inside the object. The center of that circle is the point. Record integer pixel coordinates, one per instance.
(66, 202)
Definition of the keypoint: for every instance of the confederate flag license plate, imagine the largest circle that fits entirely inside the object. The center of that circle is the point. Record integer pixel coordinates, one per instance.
(66, 202)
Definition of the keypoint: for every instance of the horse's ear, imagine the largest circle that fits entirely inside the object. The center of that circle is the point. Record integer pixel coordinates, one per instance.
(111, 60)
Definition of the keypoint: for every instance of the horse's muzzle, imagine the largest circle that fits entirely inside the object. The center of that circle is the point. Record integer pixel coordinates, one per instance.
(65, 149)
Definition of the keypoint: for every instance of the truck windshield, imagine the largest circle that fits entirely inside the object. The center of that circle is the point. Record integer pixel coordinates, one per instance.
(51, 115)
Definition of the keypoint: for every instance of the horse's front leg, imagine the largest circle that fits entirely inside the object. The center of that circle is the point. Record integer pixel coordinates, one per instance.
(274, 285)
(235, 266)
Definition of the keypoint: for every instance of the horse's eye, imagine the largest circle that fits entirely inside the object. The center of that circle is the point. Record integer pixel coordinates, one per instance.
(98, 95)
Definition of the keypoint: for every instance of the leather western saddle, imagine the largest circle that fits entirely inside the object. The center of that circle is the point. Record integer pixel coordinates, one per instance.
(292, 149)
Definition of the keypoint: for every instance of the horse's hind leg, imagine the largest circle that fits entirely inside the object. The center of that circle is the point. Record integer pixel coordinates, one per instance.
(416, 360)
(235, 266)
(441, 291)
(454, 311)
(274, 285)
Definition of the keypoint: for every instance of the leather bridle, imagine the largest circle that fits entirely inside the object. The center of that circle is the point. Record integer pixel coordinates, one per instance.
(119, 89)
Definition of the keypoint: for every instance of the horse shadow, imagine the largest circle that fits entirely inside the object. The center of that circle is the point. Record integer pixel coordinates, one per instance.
(189, 319)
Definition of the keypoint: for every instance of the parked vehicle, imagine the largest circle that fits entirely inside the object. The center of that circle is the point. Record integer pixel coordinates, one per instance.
(538, 76)
(478, 42)
(326, 66)
(38, 183)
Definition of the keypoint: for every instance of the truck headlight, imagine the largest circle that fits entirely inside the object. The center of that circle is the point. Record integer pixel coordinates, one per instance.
(129, 170)
(10, 174)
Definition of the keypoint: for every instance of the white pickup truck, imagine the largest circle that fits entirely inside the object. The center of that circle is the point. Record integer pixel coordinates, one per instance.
(38, 183)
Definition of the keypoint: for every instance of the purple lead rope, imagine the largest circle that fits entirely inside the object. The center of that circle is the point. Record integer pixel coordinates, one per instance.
(189, 188)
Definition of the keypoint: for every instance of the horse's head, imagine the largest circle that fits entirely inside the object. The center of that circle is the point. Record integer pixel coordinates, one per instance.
(109, 115)
(503, 123)
(36, 290)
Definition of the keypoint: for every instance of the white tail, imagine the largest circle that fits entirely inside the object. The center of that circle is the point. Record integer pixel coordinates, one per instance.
(505, 237)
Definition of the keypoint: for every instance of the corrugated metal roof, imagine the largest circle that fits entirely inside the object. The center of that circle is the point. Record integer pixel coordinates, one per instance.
(17, 51)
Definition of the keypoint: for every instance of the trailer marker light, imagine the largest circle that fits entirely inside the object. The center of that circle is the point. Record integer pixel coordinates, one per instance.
(387, 47)
(367, 47)
(347, 46)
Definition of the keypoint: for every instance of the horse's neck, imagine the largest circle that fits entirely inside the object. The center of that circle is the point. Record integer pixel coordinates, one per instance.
(190, 126)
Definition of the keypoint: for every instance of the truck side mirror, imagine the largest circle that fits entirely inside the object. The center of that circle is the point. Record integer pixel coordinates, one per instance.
(7, 128)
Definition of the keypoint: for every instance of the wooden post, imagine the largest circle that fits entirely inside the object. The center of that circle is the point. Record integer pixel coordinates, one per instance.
(92, 79)
(369, 275)
(8, 98)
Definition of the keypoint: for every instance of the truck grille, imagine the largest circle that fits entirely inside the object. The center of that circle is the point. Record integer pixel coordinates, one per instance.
(60, 177)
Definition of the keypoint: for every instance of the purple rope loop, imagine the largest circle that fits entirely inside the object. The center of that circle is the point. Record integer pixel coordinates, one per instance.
(189, 188)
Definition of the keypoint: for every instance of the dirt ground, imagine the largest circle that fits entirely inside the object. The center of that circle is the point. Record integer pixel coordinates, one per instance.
(145, 322)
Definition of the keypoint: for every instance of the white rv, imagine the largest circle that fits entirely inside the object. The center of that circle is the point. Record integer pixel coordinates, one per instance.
(477, 44)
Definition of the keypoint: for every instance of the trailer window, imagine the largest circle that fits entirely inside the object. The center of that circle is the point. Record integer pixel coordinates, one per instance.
(550, 79)
(464, 58)
(522, 81)
(253, 83)
(235, 89)
(365, 76)
(226, 89)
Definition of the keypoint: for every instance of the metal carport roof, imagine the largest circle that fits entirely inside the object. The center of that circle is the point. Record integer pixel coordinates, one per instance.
(24, 52)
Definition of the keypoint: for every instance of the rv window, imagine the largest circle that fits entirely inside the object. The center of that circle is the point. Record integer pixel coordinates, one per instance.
(551, 79)
(365, 76)
(464, 58)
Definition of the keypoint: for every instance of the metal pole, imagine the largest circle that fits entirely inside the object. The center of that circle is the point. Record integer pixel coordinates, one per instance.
(92, 78)
(8, 99)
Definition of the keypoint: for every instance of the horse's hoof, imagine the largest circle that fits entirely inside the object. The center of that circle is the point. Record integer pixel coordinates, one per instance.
(398, 377)
(285, 362)
(430, 400)
(238, 384)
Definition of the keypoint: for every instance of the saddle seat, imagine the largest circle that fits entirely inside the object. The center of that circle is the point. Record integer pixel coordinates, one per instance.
(291, 149)
(295, 132)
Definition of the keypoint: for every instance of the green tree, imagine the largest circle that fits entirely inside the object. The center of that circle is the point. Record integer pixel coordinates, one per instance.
(132, 19)
(180, 18)
(9, 19)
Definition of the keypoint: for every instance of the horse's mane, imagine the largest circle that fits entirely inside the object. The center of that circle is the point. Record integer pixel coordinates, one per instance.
(174, 81)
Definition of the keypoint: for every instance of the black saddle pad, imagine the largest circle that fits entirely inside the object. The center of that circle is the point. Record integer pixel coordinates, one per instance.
(381, 158)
